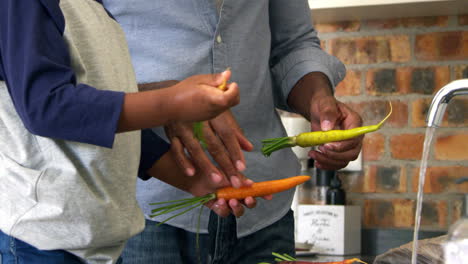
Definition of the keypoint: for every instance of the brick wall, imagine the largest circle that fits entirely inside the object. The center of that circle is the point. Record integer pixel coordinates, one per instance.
(404, 61)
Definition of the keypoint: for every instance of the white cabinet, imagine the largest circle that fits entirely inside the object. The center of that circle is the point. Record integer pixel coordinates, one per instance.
(341, 10)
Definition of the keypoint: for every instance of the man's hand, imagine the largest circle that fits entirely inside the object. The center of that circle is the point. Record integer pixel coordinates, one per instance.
(166, 170)
(328, 113)
(313, 98)
(225, 142)
(198, 187)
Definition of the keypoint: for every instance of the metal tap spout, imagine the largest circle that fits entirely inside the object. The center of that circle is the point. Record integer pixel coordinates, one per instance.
(442, 98)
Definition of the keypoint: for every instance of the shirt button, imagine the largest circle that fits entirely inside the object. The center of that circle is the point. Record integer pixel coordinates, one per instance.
(218, 39)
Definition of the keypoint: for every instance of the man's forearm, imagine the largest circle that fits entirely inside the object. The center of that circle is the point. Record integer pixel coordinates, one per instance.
(312, 85)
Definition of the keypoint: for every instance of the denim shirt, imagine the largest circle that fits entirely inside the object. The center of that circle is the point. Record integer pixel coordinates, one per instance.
(269, 46)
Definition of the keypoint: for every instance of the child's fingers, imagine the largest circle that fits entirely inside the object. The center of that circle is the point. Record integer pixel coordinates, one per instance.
(214, 80)
(223, 77)
(240, 180)
(232, 94)
(250, 202)
(236, 207)
(220, 207)
(221, 99)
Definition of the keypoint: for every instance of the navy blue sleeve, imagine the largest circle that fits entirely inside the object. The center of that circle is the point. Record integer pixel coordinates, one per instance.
(152, 149)
(35, 65)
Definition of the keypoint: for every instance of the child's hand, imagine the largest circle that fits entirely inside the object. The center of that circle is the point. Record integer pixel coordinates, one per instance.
(198, 98)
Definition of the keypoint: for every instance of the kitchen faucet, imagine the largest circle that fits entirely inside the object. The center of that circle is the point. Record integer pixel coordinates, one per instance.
(442, 98)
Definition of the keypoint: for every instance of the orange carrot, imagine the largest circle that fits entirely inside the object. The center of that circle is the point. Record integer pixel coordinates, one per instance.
(285, 259)
(347, 261)
(259, 189)
(255, 190)
(222, 86)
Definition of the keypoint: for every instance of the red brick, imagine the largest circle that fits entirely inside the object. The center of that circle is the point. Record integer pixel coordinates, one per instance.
(434, 214)
(404, 213)
(407, 146)
(400, 48)
(351, 85)
(442, 76)
(403, 79)
(372, 112)
(452, 147)
(406, 80)
(441, 179)
(376, 179)
(390, 179)
(456, 210)
(368, 183)
(366, 50)
(373, 147)
(463, 20)
(349, 180)
(399, 213)
(345, 26)
(382, 82)
(399, 117)
(442, 46)
(388, 213)
(420, 108)
(456, 114)
(461, 71)
(378, 213)
(380, 179)
(430, 21)
(429, 80)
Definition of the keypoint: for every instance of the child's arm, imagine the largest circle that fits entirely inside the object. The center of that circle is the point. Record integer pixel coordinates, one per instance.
(193, 99)
(35, 63)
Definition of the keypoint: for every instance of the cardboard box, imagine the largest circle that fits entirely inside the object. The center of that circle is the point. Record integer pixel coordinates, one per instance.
(332, 229)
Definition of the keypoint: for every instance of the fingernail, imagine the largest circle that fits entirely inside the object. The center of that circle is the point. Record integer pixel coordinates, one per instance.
(235, 182)
(240, 165)
(328, 146)
(326, 125)
(322, 148)
(216, 177)
(223, 74)
(220, 202)
(233, 203)
(190, 171)
(249, 182)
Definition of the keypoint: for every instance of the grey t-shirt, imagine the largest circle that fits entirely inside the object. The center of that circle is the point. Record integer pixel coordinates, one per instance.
(61, 194)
